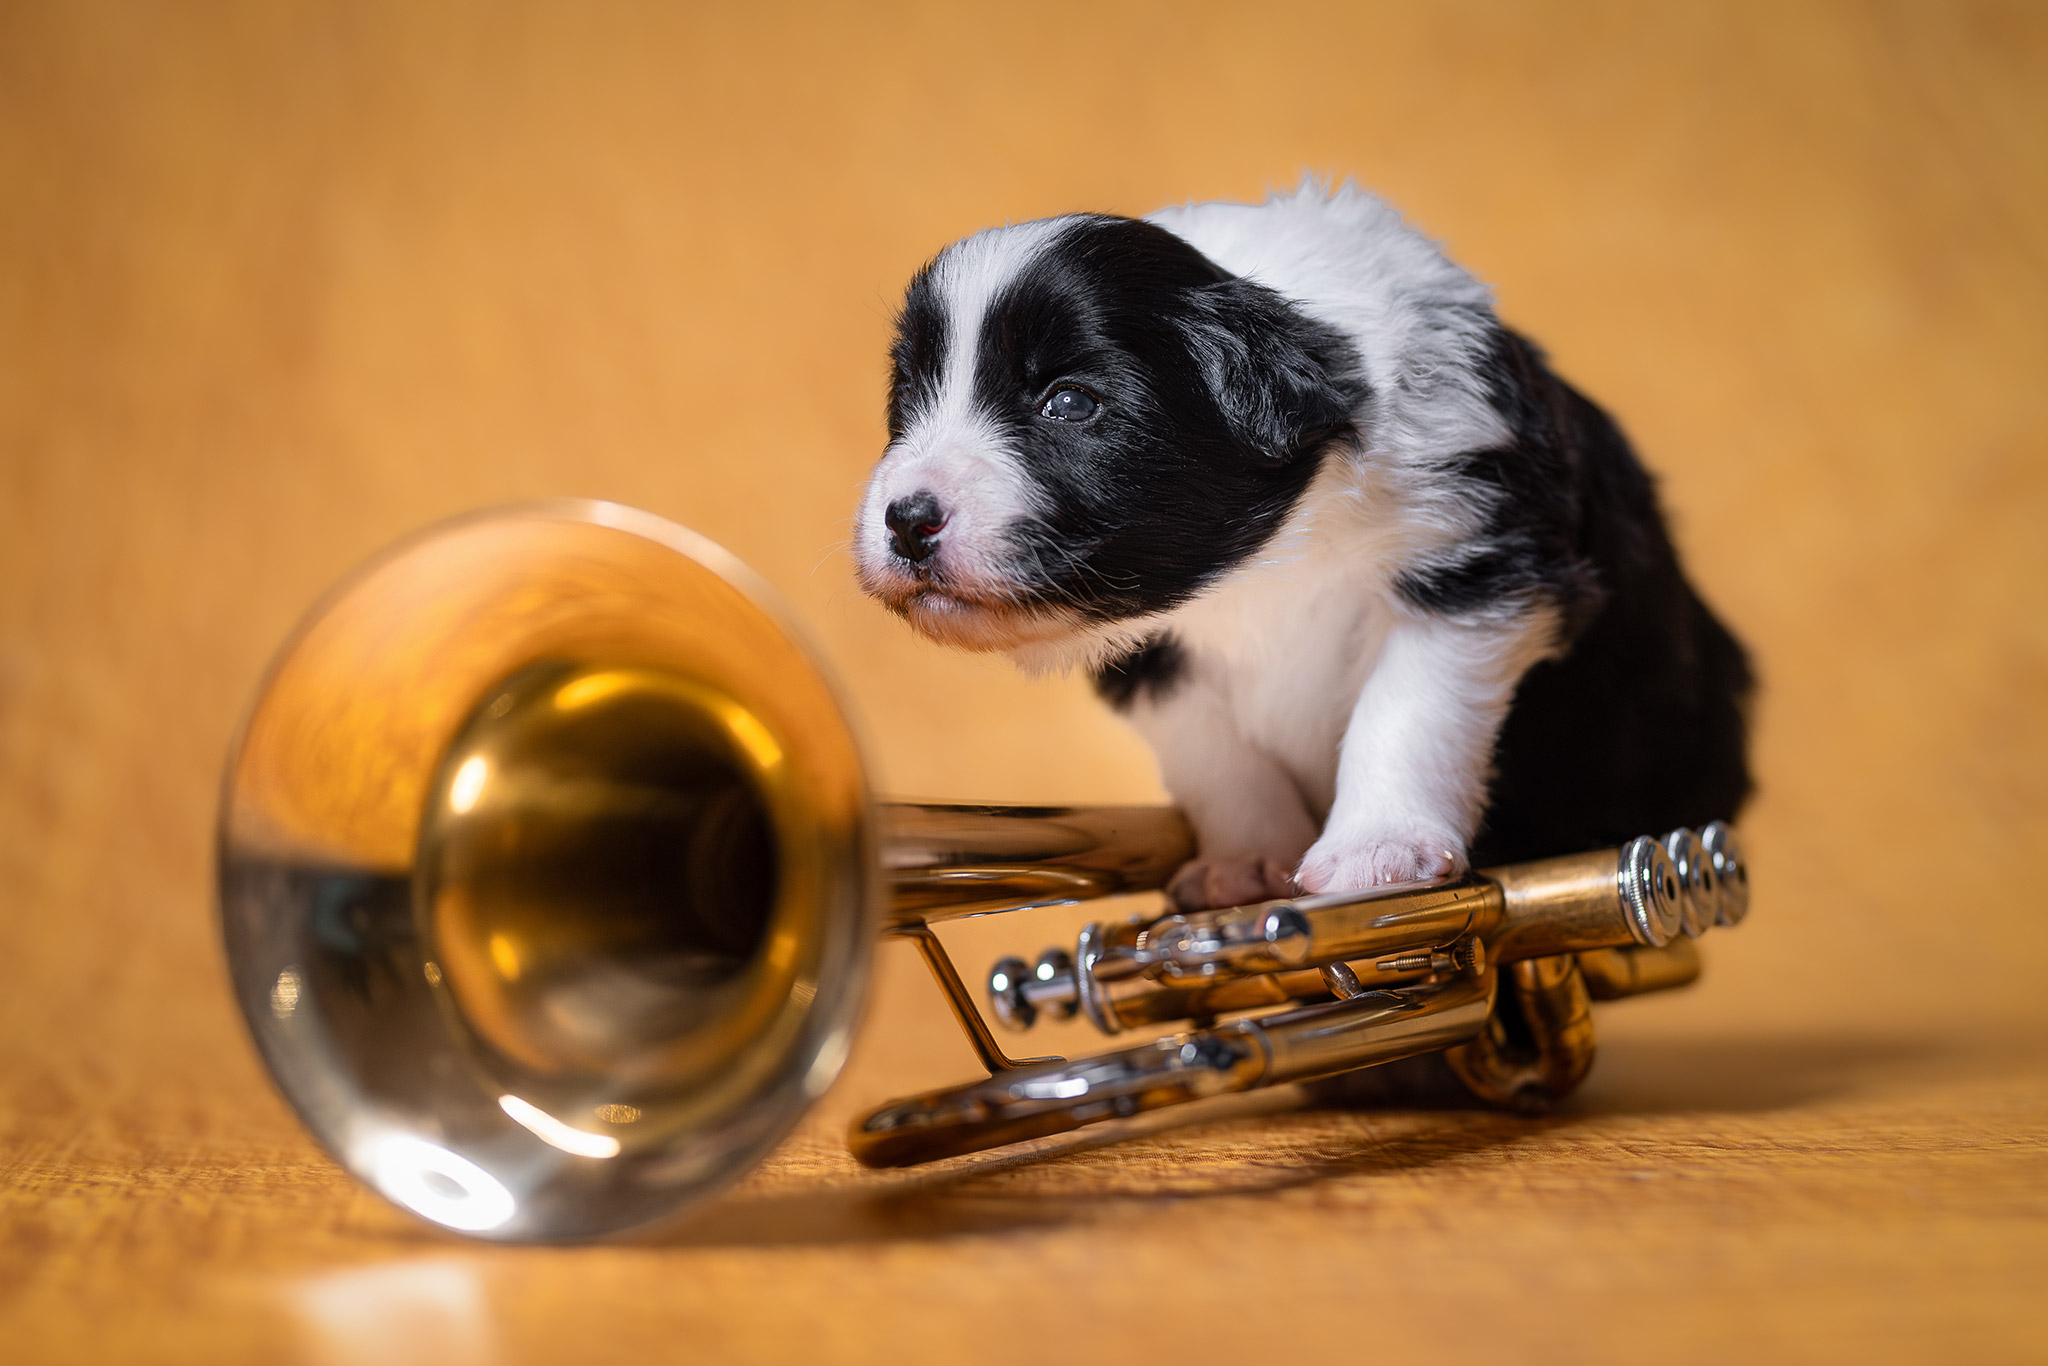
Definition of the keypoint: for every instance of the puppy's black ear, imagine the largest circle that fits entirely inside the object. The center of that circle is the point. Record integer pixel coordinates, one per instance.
(1284, 382)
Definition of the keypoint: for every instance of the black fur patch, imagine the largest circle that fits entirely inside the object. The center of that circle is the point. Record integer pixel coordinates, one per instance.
(1151, 670)
(1532, 546)
(1217, 399)
(917, 356)
(1640, 725)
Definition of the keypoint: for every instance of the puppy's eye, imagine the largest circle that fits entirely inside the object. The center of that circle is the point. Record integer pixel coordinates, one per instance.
(1069, 404)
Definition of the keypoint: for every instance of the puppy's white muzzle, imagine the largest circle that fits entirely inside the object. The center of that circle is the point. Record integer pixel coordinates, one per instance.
(935, 535)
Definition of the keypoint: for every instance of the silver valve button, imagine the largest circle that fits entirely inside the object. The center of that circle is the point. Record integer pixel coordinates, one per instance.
(1724, 854)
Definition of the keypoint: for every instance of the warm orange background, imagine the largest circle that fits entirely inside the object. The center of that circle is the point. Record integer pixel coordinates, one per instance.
(280, 282)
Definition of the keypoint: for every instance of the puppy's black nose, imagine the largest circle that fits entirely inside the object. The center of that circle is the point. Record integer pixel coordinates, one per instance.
(914, 525)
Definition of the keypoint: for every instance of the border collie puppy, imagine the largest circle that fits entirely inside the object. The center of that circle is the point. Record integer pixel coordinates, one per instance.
(1385, 595)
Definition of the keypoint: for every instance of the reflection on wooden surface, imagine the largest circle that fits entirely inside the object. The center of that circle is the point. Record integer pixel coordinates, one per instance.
(277, 284)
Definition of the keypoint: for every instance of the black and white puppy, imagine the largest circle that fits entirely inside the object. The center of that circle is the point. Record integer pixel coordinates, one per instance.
(1384, 594)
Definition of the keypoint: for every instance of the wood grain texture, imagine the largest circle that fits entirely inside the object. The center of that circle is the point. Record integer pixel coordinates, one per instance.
(280, 282)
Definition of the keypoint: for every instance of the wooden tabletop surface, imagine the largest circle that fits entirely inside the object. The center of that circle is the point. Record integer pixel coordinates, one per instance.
(278, 284)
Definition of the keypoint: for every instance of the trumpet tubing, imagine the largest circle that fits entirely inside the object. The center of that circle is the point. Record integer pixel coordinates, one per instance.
(549, 880)
(1497, 970)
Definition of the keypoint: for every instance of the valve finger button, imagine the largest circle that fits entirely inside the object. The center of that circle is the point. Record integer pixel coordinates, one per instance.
(1650, 892)
(1006, 996)
(1699, 898)
(1724, 852)
(1052, 984)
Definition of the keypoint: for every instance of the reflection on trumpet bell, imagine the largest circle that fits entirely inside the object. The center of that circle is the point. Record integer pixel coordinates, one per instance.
(614, 882)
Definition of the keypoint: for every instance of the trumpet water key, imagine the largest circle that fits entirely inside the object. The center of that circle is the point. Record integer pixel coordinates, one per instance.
(549, 879)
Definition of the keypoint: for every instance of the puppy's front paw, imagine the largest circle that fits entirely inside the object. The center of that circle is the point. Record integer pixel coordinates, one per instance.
(1211, 883)
(1335, 864)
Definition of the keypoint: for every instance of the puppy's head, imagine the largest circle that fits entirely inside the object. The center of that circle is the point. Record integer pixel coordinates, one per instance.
(1088, 420)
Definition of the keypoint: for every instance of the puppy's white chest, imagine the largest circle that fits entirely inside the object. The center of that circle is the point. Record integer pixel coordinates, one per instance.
(1288, 650)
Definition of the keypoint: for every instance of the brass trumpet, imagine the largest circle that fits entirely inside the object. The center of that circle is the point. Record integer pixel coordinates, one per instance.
(549, 880)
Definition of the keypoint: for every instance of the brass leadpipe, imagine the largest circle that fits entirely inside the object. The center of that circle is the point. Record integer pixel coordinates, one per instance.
(945, 860)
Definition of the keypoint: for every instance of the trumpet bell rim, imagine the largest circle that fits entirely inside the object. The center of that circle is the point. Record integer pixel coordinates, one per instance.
(448, 1075)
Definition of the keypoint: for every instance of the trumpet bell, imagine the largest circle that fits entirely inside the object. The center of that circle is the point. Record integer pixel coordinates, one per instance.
(547, 872)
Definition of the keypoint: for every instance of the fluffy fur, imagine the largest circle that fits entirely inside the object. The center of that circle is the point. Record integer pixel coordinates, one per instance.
(1384, 594)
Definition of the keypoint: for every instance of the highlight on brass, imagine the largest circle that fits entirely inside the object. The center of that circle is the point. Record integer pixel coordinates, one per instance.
(549, 880)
